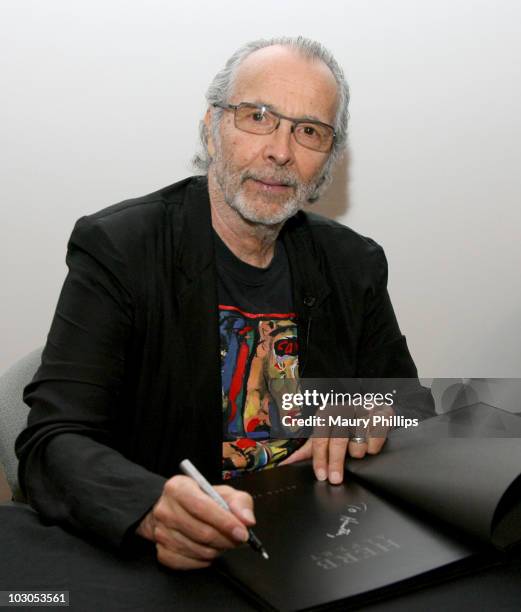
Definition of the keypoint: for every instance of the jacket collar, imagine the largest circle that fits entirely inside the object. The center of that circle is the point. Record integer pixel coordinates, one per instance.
(194, 230)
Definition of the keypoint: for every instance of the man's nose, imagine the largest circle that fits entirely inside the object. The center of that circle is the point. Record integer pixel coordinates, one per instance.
(279, 148)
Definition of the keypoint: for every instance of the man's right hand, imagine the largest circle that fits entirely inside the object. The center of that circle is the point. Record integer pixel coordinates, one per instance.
(190, 529)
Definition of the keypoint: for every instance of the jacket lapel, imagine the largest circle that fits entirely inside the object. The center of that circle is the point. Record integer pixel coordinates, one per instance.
(311, 292)
(196, 289)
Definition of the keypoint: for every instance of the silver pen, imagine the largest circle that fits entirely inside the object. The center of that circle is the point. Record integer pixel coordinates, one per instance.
(188, 468)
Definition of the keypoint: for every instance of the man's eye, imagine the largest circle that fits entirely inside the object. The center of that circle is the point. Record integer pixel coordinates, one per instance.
(258, 116)
(309, 131)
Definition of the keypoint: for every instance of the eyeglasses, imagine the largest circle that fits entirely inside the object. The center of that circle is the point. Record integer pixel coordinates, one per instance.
(259, 119)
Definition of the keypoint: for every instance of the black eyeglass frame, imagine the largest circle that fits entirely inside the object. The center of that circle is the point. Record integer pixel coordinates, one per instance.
(292, 120)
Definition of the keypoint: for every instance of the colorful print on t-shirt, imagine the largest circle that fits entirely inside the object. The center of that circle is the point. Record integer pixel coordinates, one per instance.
(255, 348)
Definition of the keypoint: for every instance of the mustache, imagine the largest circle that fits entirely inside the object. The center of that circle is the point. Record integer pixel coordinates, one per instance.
(286, 178)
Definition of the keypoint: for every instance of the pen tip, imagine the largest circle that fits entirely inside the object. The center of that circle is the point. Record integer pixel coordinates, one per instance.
(265, 554)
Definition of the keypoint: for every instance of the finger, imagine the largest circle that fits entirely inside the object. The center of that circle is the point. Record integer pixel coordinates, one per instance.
(184, 506)
(177, 542)
(378, 434)
(177, 561)
(357, 449)
(302, 453)
(375, 445)
(240, 503)
(205, 509)
(196, 530)
(320, 457)
(337, 456)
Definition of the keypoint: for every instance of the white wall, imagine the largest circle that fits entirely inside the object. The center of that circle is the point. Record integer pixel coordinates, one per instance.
(100, 102)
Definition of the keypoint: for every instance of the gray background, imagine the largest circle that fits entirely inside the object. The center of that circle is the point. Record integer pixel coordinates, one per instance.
(101, 102)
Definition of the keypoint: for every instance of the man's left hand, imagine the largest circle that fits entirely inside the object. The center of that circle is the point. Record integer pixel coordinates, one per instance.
(329, 454)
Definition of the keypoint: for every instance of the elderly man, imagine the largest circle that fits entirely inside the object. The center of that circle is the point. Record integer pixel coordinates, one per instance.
(179, 307)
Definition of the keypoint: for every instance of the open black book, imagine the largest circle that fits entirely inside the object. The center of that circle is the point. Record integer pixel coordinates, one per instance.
(436, 501)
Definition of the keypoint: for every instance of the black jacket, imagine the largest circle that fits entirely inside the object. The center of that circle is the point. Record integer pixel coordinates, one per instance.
(130, 378)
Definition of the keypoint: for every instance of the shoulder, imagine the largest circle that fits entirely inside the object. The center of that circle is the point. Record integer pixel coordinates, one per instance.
(341, 246)
(131, 221)
(130, 239)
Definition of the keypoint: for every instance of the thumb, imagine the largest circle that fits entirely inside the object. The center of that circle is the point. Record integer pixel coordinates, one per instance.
(240, 503)
(304, 452)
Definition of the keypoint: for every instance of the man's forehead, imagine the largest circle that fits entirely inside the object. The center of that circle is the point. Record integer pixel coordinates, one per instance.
(281, 71)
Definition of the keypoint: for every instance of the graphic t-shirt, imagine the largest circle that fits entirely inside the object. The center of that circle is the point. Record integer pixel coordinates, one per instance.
(259, 343)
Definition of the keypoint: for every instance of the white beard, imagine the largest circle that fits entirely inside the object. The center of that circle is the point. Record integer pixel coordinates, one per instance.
(250, 212)
(232, 185)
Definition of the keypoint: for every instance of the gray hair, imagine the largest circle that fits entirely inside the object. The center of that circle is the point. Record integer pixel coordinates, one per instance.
(221, 86)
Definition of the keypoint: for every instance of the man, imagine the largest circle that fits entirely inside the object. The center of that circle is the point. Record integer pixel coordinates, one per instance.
(180, 305)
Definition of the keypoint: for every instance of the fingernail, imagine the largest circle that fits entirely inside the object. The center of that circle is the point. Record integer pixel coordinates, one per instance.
(321, 474)
(240, 534)
(336, 477)
(247, 515)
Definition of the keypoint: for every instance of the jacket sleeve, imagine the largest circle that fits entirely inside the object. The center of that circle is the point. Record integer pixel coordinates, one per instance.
(383, 351)
(70, 470)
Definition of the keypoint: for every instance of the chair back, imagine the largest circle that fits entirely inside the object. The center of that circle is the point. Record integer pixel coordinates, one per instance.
(13, 411)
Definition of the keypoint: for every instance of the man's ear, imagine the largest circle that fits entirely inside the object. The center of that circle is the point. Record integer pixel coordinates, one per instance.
(209, 135)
